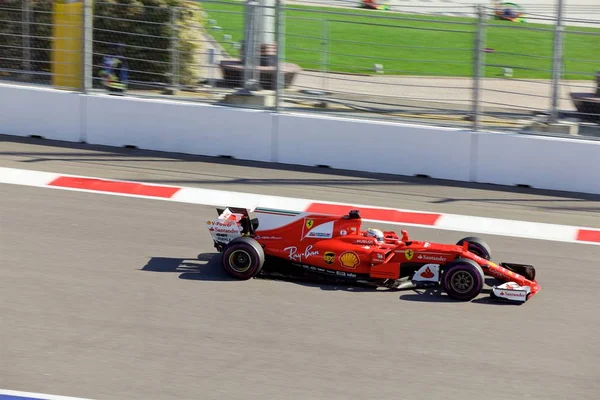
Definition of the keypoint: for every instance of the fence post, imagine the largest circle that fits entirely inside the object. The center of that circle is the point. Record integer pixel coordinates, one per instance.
(279, 40)
(26, 30)
(478, 67)
(268, 9)
(557, 61)
(245, 50)
(88, 46)
(258, 18)
(174, 49)
(250, 38)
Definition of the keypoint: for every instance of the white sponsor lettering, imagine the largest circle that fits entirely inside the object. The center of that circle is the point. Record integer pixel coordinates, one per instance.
(431, 258)
(512, 291)
(498, 273)
(319, 234)
(478, 259)
(219, 227)
(268, 237)
(363, 241)
(223, 227)
(224, 230)
(513, 294)
(223, 222)
(322, 231)
(295, 256)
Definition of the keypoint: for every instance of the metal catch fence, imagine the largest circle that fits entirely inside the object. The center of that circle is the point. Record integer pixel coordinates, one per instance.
(27, 31)
(477, 67)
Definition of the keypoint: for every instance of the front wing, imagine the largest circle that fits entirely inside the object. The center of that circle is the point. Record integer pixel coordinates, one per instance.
(516, 287)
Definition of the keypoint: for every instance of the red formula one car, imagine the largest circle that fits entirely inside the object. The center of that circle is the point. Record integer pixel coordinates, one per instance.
(281, 243)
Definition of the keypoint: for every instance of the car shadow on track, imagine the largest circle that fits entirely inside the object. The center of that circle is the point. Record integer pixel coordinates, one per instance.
(437, 295)
(206, 267)
(426, 296)
(326, 286)
(203, 268)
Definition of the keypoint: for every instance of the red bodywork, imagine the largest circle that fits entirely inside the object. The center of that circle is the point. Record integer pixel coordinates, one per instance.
(339, 243)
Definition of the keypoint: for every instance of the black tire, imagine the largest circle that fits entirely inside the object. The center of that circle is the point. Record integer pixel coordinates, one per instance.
(528, 271)
(477, 246)
(463, 279)
(243, 258)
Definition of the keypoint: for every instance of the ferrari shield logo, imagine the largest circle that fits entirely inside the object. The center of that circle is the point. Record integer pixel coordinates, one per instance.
(309, 223)
(409, 254)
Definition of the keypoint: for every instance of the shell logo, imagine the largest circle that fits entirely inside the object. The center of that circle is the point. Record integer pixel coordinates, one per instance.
(349, 260)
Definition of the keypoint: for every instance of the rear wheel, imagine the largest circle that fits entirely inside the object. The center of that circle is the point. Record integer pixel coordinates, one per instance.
(463, 279)
(243, 258)
(477, 246)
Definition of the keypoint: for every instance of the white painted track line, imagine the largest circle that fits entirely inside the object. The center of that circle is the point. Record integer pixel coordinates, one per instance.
(221, 198)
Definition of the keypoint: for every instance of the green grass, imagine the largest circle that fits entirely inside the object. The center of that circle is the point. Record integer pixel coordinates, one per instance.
(433, 45)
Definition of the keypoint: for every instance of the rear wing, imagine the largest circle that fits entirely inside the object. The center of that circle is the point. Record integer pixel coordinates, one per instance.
(231, 223)
(242, 216)
(233, 210)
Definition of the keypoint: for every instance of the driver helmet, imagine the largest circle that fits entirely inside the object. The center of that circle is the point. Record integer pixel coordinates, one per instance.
(376, 233)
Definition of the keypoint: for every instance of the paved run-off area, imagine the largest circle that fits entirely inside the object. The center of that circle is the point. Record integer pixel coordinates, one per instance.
(104, 297)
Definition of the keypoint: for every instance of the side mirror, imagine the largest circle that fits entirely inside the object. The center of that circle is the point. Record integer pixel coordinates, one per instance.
(404, 236)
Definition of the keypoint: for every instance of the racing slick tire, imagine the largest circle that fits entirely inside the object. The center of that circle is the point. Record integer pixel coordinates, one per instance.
(243, 258)
(477, 246)
(463, 279)
(528, 271)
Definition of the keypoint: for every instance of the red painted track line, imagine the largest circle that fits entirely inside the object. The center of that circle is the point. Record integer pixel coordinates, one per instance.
(102, 185)
(377, 214)
(201, 196)
(588, 235)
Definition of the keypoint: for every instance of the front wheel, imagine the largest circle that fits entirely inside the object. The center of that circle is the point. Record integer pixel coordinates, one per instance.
(243, 258)
(463, 279)
(477, 246)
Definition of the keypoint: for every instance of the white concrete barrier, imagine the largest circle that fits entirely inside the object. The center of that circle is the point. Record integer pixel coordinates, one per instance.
(180, 127)
(538, 161)
(53, 114)
(360, 145)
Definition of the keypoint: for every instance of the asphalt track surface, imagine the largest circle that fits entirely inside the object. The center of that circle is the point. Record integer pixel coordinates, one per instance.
(112, 297)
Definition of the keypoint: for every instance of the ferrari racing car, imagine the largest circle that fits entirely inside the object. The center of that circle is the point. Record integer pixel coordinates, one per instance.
(283, 243)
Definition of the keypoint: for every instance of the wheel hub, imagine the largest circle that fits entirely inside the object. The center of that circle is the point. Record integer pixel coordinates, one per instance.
(462, 282)
(240, 260)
